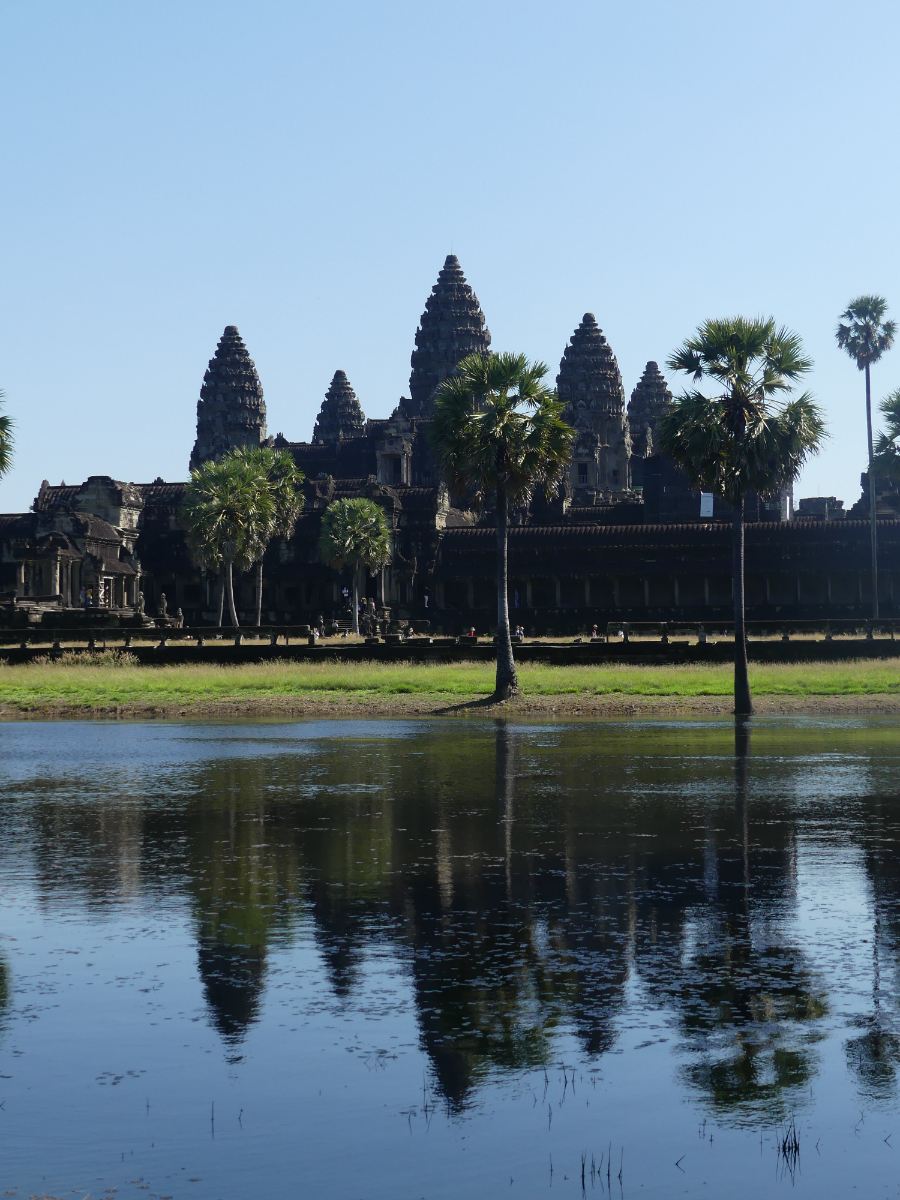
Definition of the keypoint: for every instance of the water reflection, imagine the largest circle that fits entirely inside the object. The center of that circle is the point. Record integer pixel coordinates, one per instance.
(530, 880)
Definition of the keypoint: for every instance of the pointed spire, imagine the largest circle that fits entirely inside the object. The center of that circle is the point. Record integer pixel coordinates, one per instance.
(650, 400)
(340, 415)
(589, 375)
(451, 327)
(231, 411)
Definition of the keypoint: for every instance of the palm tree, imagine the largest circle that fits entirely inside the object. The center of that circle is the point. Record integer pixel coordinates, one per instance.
(227, 512)
(865, 335)
(6, 439)
(886, 459)
(496, 429)
(746, 437)
(283, 478)
(355, 534)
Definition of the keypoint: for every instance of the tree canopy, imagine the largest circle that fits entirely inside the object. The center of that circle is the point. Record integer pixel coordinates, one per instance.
(863, 331)
(750, 434)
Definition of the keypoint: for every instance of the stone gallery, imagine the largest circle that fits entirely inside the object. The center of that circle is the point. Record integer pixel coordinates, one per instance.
(625, 538)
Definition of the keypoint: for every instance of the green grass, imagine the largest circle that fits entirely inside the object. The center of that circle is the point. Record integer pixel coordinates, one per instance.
(106, 683)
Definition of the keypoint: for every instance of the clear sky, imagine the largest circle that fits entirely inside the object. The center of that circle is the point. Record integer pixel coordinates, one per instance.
(302, 169)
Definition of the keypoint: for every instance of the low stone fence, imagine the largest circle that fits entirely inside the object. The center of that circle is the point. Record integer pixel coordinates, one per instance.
(632, 642)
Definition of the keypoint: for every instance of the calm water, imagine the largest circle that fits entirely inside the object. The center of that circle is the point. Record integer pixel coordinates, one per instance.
(396, 960)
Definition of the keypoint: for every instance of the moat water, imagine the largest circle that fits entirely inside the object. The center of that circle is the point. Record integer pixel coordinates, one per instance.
(383, 960)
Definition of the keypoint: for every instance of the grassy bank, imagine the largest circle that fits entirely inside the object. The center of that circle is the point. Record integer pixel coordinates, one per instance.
(109, 684)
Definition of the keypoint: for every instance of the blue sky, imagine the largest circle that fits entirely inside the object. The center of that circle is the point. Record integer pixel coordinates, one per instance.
(301, 170)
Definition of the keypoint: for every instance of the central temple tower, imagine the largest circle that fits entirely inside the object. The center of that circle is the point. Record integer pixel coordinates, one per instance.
(231, 411)
(451, 327)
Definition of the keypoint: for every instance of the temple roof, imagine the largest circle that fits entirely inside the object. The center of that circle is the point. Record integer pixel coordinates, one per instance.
(451, 327)
(650, 400)
(589, 375)
(231, 410)
(340, 415)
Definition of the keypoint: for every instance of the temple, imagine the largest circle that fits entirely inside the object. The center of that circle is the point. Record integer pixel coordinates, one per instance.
(624, 538)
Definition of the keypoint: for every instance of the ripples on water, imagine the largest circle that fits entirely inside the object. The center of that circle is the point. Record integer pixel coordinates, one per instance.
(388, 959)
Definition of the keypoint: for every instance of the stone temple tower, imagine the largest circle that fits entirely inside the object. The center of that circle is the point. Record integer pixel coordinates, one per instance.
(231, 411)
(340, 415)
(451, 327)
(650, 400)
(590, 385)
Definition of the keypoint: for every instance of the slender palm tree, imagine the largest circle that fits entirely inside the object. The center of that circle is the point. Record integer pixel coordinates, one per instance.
(748, 436)
(6, 439)
(355, 534)
(864, 333)
(497, 430)
(227, 511)
(283, 478)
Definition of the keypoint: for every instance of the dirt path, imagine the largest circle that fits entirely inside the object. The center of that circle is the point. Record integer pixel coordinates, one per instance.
(439, 705)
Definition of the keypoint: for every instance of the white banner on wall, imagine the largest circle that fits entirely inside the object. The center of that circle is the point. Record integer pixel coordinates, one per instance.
(706, 504)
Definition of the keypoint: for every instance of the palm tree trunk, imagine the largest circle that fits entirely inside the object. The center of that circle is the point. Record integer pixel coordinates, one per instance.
(221, 590)
(229, 593)
(872, 512)
(355, 613)
(259, 583)
(507, 683)
(743, 705)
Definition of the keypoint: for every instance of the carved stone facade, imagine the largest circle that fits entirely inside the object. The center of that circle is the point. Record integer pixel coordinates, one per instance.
(590, 385)
(650, 400)
(340, 415)
(451, 327)
(231, 411)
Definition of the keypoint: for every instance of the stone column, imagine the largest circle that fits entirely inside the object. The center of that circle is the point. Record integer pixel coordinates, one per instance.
(54, 576)
(20, 579)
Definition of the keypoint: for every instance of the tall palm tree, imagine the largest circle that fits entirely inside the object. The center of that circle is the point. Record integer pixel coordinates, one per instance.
(355, 534)
(748, 436)
(283, 479)
(864, 333)
(497, 430)
(6, 439)
(226, 512)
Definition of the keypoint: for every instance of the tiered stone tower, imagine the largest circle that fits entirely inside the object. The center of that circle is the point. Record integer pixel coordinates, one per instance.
(650, 400)
(451, 327)
(590, 385)
(340, 415)
(231, 411)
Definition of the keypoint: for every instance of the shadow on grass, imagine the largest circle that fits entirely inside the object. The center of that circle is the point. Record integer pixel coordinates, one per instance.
(491, 701)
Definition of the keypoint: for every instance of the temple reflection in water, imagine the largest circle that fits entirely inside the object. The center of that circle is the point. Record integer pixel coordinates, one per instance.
(529, 881)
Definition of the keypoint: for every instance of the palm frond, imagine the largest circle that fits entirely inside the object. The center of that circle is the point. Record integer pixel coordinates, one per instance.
(863, 331)
(496, 422)
(354, 533)
(746, 436)
(7, 441)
